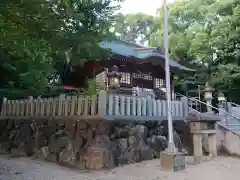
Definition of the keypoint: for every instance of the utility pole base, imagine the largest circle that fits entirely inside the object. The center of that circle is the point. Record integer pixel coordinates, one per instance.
(171, 148)
(173, 161)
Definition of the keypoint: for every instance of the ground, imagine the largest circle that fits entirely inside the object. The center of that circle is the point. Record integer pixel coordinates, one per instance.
(22, 168)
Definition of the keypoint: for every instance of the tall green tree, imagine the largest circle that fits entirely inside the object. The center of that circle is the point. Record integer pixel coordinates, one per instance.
(205, 33)
(133, 27)
(36, 35)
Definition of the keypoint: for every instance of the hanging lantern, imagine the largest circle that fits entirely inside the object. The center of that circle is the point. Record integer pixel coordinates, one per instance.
(114, 77)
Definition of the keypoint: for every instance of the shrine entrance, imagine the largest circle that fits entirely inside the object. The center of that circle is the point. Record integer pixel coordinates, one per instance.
(142, 83)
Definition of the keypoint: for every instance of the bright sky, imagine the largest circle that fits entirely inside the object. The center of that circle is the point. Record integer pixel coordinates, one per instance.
(145, 6)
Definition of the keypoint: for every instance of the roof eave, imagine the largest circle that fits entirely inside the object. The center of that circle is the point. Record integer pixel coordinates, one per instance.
(178, 66)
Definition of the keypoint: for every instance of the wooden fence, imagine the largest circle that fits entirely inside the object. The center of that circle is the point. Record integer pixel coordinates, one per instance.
(101, 105)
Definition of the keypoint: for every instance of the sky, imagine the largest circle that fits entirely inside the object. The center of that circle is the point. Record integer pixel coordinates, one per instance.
(145, 6)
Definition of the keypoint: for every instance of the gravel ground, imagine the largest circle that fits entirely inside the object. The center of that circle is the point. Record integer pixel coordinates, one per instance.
(22, 168)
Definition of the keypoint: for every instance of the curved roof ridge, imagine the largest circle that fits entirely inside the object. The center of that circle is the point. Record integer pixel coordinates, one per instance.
(127, 43)
(128, 49)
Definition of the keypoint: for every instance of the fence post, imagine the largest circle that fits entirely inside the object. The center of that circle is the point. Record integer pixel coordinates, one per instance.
(79, 105)
(31, 104)
(60, 104)
(38, 106)
(149, 106)
(102, 103)
(4, 108)
(17, 108)
(42, 106)
(185, 106)
(73, 106)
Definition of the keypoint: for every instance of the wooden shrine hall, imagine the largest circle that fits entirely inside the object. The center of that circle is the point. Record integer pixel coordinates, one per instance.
(133, 79)
(141, 68)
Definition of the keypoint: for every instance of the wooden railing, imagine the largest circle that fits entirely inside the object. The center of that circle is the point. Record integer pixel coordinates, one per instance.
(104, 105)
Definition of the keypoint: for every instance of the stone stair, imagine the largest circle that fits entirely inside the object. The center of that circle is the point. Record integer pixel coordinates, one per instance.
(228, 134)
(230, 117)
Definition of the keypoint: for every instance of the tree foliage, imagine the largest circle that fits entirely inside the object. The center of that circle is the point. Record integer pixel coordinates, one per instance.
(134, 28)
(37, 36)
(205, 35)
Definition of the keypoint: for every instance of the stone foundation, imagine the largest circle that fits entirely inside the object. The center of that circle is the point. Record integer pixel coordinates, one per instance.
(83, 144)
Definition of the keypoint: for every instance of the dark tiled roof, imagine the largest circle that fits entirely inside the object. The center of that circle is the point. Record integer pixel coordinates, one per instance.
(139, 52)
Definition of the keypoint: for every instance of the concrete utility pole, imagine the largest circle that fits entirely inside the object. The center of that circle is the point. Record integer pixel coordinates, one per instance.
(170, 159)
(171, 147)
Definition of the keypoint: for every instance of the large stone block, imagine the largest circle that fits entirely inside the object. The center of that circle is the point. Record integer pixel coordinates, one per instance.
(81, 160)
(86, 144)
(102, 128)
(145, 152)
(99, 154)
(82, 126)
(77, 143)
(173, 161)
(70, 128)
(67, 155)
(158, 143)
(43, 152)
(128, 156)
(122, 132)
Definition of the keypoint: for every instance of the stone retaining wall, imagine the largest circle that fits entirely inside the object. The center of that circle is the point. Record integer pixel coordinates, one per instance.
(84, 144)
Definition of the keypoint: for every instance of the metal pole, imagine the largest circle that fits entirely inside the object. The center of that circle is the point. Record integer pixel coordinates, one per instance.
(171, 147)
(199, 97)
